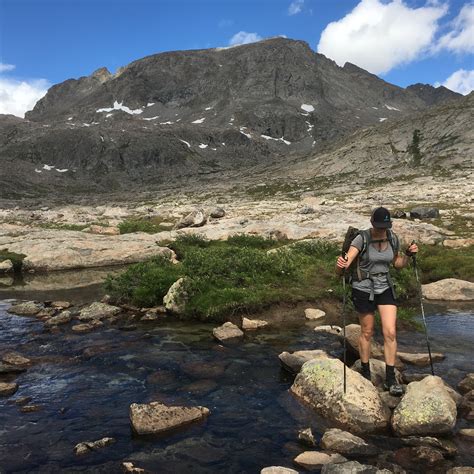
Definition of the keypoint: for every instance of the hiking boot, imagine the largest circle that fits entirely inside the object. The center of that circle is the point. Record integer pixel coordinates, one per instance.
(395, 389)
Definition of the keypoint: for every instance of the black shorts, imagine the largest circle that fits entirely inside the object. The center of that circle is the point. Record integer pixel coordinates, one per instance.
(361, 302)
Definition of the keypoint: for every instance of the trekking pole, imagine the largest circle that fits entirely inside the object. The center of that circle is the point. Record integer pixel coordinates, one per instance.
(415, 267)
(344, 320)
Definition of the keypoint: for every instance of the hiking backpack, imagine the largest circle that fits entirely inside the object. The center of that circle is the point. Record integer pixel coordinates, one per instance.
(353, 272)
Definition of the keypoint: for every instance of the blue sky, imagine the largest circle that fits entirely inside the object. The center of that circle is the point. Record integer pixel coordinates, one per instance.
(44, 42)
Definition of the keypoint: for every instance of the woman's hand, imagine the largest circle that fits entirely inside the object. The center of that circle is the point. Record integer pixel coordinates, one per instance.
(342, 262)
(411, 250)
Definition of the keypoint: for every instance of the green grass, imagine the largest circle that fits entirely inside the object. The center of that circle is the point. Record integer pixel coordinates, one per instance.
(240, 276)
(150, 226)
(59, 226)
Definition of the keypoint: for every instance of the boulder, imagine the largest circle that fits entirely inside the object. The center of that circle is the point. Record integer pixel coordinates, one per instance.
(28, 308)
(86, 327)
(7, 389)
(253, 323)
(315, 460)
(377, 371)
(466, 407)
(421, 360)
(156, 417)
(14, 358)
(46, 313)
(6, 368)
(467, 433)
(352, 338)
(458, 243)
(306, 210)
(6, 266)
(389, 400)
(176, 297)
(447, 447)
(61, 304)
(306, 437)
(196, 218)
(278, 470)
(351, 467)
(461, 470)
(399, 214)
(449, 289)
(294, 361)
(360, 410)
(89, 446)
(227, 331)
(130, 468)
(424, 213)
(346, 443)
(62, 318)
(314, 314)
(330, 329)
(426, 409)
(466, 384)
(98, 311)
(419, 458)
(217, 213)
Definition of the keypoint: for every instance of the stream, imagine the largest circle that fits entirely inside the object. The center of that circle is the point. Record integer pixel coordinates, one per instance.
(85, 383)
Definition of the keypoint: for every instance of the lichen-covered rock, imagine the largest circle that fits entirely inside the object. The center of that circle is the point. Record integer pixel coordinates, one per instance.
(97, 311)
(176, 297)
(294, 361)
(227, 332)
(449, 289)
(359, 410)
(426, 409)
(14, 358)
(86, 327)
(62, 318)
(28, 308)
(447, 447)
(89, 446)
(346, 443)
(156, 417)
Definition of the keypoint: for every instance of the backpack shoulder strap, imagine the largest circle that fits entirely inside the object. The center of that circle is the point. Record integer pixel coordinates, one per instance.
(394, 241)
(365, 234)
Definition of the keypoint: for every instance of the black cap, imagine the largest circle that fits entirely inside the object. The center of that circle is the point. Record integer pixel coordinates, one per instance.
(381, 218)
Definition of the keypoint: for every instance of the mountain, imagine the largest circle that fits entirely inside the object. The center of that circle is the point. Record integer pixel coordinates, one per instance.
(188, 114)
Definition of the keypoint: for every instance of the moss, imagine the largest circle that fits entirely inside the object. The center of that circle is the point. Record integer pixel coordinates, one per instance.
(150, 226)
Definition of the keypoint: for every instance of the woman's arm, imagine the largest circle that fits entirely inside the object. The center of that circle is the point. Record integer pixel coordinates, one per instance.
(342, 264)
(401, 261)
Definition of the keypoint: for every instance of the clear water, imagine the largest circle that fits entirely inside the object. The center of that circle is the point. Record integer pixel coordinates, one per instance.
(85, 384)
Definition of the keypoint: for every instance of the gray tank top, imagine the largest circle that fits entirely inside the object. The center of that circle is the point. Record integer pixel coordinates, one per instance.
(377, 262)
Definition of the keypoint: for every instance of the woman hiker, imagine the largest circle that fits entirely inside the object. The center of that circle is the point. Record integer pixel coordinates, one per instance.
(372, 288)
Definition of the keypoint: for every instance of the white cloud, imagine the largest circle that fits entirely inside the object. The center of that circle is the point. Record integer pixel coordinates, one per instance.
(295, 7)
(6, 67)
(461, 81)
(242, 37)
(379, 35)
(17, 97)
(461, 38)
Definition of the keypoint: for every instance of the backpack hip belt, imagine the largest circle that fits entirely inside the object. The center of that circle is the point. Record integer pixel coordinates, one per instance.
(369, 276)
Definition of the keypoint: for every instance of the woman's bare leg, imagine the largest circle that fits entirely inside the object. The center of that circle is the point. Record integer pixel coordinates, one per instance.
(388, 315)
(366, 331)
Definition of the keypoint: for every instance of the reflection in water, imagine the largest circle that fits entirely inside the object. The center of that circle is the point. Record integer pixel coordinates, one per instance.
(84, 385)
